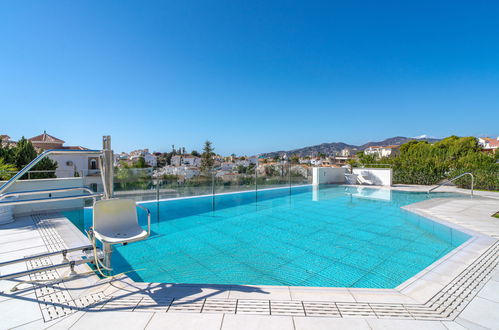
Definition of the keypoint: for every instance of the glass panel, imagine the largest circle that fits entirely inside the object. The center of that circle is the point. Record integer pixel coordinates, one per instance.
(135, 183)
(273, 175)
(300, 175)
(184, 183)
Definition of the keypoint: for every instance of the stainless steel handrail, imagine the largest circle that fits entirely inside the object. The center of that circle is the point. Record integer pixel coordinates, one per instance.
(50, 199)
(455, 178)
(45, 268)
(48, 254)
(44, 154)
(44, 191)
(148, 218)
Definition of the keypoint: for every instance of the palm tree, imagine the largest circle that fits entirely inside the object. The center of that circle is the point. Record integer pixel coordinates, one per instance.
(6, 170)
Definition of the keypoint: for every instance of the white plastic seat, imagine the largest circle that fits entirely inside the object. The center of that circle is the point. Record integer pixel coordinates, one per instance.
(116, 221)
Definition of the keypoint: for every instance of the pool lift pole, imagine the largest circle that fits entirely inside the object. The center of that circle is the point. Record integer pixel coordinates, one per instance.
(107, 169)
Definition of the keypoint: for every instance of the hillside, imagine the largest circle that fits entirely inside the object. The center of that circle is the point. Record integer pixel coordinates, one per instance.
(334, 147)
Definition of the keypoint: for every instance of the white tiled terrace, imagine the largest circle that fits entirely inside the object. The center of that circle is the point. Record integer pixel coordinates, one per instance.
(460, 291)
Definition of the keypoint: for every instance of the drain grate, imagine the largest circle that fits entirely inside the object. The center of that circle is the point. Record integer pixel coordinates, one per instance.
(248, 306)
(220, 306)
(289, 308)
(320, 308)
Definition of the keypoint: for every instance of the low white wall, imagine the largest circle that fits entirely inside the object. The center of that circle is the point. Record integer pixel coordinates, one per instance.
(321, 175)
(379, 176)
(24, 185)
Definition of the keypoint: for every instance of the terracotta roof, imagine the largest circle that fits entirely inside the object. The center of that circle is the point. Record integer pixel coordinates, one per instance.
(4, 137)
(45, 138)
(493, 143)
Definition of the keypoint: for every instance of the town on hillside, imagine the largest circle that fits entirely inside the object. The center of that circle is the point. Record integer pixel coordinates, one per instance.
(180, 166)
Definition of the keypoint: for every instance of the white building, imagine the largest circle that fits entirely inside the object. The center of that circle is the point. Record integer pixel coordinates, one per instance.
(183, 171)
(316, 162)
(149, 158)
(381, 151)
(489, 144)
(242, 162)
(253, 160)
(345, 152)
(186, 160)
(227, 166)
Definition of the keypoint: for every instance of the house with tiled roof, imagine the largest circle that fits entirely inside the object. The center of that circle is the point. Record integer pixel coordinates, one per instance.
(489, 144)
(45, 142)
(68, 165)
(6, 141)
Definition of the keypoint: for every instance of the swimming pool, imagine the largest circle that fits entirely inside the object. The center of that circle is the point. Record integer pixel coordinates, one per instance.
(332, 236)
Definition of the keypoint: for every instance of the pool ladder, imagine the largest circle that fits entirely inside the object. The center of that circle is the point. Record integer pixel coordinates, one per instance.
(455, 178)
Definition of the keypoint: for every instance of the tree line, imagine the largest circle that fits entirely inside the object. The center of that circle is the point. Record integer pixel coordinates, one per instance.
(14, 158)
(420, 162)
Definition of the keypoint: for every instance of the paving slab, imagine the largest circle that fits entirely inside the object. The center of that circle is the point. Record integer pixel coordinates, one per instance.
(112, 320)
(405, 325)
(257, 322)
(328, 323)
(181, 321)
(482, 312)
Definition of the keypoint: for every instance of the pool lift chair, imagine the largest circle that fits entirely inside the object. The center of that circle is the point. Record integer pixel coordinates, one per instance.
(115, 220)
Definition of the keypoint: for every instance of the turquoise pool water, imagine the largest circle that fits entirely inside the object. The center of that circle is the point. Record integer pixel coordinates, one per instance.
(334, 236)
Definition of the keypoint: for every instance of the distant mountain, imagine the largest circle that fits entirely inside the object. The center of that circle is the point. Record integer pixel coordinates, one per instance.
(397, 140)
(334, 147)
(325, 148)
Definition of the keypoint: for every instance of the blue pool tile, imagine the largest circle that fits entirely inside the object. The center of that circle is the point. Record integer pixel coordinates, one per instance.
(347, 238)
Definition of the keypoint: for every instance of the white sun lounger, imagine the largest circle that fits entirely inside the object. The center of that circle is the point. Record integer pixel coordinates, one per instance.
(362, 180)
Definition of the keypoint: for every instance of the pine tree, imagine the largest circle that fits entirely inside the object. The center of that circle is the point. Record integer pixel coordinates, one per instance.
(207, 157)
(24, 153)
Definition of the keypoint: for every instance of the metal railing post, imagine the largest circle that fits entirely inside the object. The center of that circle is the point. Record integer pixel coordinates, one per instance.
(256, 182)
(212, 190)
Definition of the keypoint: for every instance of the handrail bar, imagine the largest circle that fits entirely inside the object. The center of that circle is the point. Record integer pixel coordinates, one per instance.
(48, 254)
(44, 191)
(71, 264)
(455, 178)
(50, 199)
(44, 154)
(148, 218)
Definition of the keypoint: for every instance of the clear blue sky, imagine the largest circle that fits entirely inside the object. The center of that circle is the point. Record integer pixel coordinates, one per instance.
(251, 76)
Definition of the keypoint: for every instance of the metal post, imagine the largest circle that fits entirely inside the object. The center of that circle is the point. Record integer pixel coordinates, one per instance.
(108, 250)
(108, 166)
(212, 190)
(256, 182)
